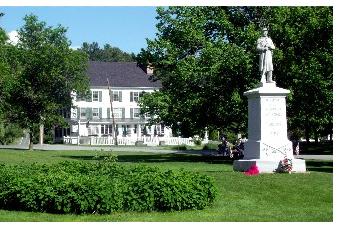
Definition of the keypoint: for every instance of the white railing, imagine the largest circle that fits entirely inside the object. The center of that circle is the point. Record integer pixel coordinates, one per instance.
(149, 141)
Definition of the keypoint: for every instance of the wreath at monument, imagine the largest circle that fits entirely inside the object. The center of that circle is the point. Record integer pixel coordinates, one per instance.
(286, 165)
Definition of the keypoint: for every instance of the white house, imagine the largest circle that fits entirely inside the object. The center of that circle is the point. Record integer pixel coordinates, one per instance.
(92, 116)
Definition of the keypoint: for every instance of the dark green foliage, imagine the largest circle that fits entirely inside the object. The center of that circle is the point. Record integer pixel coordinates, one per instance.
(205, 58)
(108, 53)
(211, 146)
(41, 72)
(47, 136)
(9, 132)
(104, 187)
(197, 141)
(179, 147)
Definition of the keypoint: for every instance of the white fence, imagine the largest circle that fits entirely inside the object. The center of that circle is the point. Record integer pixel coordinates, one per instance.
(149, 141)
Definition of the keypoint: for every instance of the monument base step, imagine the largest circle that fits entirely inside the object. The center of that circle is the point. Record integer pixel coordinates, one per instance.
(267, 166)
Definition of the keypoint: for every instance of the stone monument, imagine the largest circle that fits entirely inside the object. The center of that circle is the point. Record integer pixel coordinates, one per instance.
(267, 143)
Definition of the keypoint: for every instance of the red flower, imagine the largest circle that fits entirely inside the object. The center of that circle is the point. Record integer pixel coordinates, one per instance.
(252, 171)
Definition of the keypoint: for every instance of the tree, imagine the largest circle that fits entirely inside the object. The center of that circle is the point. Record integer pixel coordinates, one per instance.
(205, 58)
(108, 53)
(205, 63)
(4, 67)
(46, 74)
(305, 65)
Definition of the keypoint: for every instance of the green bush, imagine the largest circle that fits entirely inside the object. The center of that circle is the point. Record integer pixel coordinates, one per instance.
(102, 187)
(197, 140)
(9, 132)
(211, 146)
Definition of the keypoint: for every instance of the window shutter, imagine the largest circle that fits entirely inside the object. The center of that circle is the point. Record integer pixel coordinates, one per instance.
(108, 113)
(120, 96)
(123, 112)
(89, 97)
(100, 96)
(100, 112)
(89, 113)
(131, 97)
(131, 113)
(78, 113)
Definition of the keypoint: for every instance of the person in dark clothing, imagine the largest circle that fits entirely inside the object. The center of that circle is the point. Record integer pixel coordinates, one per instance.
(224, 147)
(237, 152)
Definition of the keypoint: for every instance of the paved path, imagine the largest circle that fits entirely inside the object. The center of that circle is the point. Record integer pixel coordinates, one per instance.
(56, 147)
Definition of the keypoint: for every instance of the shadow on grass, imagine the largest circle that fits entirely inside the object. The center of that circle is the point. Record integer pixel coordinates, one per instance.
(319, 166)
(322, 148)
(311, 165)
(160, 158)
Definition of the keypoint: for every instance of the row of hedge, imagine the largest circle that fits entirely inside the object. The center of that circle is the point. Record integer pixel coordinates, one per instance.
(105, 187)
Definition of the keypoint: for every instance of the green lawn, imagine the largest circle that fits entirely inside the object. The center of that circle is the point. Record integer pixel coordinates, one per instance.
(267, 197)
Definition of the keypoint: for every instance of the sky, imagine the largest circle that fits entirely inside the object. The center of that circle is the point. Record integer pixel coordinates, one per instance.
(124, 27)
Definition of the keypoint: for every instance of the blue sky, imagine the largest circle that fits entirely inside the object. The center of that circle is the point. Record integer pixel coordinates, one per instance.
(123, 27)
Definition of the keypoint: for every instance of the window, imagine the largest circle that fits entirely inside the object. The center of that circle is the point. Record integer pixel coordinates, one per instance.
(135, 96)
(95, 95)
(117, 96)
(118, 112)
(83, 112)
(64, 112)
(93, 130)
(136, 112)
(162, 129)
(106, 129)
(95, 112)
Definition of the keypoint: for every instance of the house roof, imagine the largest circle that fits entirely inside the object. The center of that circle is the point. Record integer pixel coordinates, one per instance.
(120, 74)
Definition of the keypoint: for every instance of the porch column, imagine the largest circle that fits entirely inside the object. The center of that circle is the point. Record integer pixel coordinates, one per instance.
(138, 130)
(99, 130)
(120, 131)
(152, 130)
(132, 128)
(41, 134)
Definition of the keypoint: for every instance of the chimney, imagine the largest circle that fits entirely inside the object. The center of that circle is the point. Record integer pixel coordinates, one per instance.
(149, 69)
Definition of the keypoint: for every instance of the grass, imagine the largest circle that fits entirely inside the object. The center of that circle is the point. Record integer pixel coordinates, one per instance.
(267, 197)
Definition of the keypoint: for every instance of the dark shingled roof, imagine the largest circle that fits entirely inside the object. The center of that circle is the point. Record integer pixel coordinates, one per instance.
(120, 74)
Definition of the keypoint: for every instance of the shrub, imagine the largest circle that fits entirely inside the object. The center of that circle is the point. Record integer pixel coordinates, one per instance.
(197, 140)
(9, 132)
(102, 187)
(211, 146)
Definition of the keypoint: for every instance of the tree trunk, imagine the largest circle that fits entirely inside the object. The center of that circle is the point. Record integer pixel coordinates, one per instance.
(315, 139)
(307, 135)
(31, 145)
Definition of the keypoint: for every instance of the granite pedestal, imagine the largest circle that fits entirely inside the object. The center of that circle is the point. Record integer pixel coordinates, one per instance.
(267, 143)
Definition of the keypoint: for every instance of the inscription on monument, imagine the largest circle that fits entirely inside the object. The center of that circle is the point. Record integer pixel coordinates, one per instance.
(274, 113)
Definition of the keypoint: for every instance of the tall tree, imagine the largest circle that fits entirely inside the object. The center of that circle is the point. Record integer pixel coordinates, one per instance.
(204, 61)
(205, 58)
(4, 67)
(108, 53)
(304, 63)
(47, 73)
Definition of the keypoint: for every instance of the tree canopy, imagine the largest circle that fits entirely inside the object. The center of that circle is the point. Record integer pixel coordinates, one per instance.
(108, 53)
(43, 71)
(205, 58)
